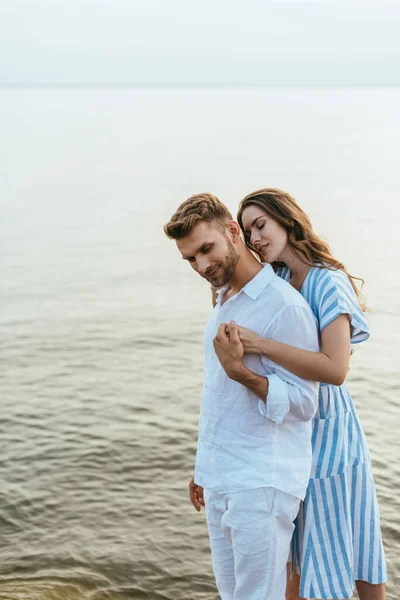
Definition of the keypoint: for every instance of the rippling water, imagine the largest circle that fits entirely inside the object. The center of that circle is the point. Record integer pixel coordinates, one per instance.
(101, 323)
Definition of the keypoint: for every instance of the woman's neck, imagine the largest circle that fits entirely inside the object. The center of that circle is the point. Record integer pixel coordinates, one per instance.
(298, 269)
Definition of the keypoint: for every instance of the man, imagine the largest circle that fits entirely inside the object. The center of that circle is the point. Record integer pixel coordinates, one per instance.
(254, 448)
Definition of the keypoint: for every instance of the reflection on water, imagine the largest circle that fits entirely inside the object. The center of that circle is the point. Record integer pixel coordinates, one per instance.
(102, 323)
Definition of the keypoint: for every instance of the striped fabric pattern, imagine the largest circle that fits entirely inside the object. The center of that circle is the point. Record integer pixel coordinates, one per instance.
(337, 539)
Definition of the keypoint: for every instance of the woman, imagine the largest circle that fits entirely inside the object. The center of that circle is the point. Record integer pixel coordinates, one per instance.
(337, 543)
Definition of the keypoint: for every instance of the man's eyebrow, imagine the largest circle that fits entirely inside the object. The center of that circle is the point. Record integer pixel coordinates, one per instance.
(255, 221)
(204, 245)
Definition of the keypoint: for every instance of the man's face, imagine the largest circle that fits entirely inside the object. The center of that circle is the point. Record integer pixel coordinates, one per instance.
(210, 252)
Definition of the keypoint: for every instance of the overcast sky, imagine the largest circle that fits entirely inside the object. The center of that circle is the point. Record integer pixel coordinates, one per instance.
(218, 42)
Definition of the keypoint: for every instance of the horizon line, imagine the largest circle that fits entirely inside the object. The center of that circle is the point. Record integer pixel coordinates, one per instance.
(184, 85)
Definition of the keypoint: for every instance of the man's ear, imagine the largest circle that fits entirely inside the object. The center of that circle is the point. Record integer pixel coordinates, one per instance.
(234, 230)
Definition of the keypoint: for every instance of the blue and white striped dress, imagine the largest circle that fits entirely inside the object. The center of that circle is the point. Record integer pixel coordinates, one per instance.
(337, 539)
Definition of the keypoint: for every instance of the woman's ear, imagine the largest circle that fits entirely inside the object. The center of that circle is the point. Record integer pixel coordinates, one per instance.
(234, 229)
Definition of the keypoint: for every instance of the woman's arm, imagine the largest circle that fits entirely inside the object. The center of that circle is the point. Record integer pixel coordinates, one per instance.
(328, 366)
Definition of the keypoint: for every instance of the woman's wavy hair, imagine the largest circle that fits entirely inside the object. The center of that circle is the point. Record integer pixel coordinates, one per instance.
(306, 245)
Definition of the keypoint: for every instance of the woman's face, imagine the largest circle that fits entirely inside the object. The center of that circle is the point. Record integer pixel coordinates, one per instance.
(266, 235)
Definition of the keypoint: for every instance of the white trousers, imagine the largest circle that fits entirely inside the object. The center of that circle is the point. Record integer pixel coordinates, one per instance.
(250, 534)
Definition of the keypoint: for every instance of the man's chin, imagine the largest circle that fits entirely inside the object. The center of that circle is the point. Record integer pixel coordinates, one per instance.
(218, 282)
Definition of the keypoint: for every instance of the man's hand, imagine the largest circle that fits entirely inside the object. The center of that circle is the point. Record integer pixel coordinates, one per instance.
(229, 349)
(196, 494)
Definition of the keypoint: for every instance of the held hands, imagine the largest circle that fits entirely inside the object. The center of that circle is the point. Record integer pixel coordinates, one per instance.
(229, 349)
(196, 495)
(251, 341)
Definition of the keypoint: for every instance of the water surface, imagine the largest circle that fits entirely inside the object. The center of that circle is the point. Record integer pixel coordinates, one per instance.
(102, 322)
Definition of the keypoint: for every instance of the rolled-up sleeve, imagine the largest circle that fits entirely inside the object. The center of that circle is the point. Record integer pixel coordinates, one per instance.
(287, 393)
(278, 404)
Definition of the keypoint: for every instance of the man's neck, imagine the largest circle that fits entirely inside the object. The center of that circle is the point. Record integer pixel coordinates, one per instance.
(246, 269)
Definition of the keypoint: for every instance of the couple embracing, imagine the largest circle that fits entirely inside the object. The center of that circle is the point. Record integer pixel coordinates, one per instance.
(282, 465)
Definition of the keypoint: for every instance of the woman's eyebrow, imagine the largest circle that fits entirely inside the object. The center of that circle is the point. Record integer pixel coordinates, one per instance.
(253, 223)
(255, 220)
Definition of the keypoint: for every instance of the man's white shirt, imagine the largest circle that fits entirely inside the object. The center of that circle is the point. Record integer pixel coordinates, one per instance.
(243, 442)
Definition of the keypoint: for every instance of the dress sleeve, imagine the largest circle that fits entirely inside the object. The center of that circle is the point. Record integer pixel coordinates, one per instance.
(283, 273)
(335, 297)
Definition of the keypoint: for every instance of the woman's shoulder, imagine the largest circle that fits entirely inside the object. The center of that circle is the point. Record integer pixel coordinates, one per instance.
(329, 277)
(335, 295)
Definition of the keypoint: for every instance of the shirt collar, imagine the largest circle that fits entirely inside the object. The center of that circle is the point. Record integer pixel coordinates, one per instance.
(256, 285)
(259, 282)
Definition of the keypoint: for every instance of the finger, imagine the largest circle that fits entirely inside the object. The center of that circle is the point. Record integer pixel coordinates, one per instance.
(200, 494)
(194, 499)
(196, 502)
(234, 333)
(221, 334)
(220, 331)
(193, 495)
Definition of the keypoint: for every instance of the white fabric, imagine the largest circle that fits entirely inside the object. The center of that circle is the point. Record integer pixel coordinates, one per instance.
(245, 443)
(250, 533)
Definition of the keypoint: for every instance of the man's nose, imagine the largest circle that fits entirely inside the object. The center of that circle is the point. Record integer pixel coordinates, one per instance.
(203, 264)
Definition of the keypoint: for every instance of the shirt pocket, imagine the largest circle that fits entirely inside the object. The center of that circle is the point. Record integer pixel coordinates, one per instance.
(336, 444)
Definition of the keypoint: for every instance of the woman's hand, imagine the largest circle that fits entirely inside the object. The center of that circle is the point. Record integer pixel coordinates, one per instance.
(213, 295)
(252, 342)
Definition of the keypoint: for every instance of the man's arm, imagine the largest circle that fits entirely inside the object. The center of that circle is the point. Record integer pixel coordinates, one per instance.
(280, 392)
(255, 383)
(229, 350)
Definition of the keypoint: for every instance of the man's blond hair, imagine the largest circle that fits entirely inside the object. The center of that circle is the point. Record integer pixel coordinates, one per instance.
(201, 207)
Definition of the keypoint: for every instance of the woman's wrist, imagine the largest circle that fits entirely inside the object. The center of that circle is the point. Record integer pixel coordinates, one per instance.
(263, 346)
